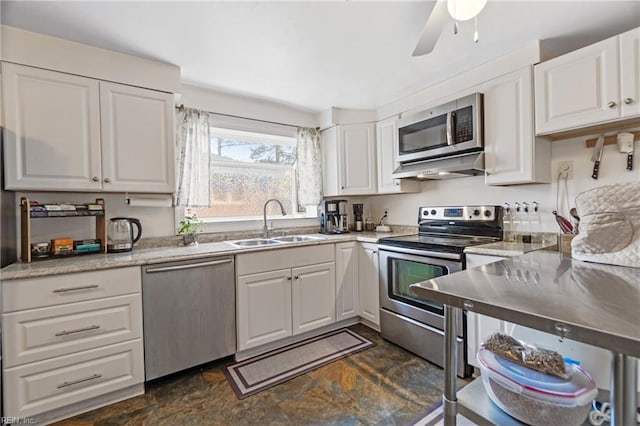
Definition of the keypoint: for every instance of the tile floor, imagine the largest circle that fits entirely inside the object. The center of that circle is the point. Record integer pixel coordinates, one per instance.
(381, 385)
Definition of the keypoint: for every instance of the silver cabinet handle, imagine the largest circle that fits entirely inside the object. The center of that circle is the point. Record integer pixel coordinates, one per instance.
(84, 287)
(288, 278)
(95, 178)
(75, 382)
(611, 104)
(296, 277)
(628, 101)
(80, 330)
(374, 252)
(189, 266)
(107, 180)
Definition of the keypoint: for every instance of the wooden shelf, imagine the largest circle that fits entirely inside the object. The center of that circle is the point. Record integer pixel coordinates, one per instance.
(25, 228)
(610, 140)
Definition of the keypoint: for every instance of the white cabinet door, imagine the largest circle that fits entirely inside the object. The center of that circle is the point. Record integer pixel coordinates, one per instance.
(357, 159)
(479, 327)
(346, 280)
(369, 283)
(578, 89)
(137, 139)
(330, 169)
(512, 153)
(630, 72)
(263, 308)
(313, 296)
(387, 147)
(52, 130)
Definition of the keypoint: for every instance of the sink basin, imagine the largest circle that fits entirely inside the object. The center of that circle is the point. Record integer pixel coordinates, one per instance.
(254, 242)
(298, 238)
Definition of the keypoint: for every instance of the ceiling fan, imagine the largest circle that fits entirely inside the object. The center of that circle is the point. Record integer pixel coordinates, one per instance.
(443, 11)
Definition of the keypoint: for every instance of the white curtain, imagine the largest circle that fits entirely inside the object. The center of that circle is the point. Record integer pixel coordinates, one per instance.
(193, 149)
(309, 168)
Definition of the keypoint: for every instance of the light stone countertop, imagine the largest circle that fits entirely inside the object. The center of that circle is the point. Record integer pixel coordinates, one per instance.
(146, 256)
(505, 249)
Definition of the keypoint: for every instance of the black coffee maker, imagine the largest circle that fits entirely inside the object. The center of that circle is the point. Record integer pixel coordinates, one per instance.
(333, 217)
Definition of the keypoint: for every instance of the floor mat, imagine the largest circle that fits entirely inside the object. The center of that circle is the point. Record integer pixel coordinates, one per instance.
(256, 374)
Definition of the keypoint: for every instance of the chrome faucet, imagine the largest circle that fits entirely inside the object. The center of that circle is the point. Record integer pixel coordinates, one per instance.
(265, 228)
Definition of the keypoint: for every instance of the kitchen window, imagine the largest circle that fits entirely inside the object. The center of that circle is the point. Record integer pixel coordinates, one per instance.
(248, 168)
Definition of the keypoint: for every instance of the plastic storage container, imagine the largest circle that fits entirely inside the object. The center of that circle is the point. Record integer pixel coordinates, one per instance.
(536, 398)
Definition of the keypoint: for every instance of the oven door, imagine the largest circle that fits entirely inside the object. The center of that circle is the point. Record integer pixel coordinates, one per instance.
(401, 267)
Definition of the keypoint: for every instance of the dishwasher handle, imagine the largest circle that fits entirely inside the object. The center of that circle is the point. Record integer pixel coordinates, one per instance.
(188, 266)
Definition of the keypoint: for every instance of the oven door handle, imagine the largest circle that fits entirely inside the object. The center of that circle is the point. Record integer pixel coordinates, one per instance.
(423, 253)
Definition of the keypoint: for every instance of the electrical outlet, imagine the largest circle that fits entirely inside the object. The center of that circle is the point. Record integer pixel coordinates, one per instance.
(565, 168)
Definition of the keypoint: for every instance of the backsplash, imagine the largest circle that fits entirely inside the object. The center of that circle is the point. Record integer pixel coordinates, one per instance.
(403, 208)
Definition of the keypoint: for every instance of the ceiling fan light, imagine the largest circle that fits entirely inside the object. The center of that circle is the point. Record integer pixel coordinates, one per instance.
(463, 10)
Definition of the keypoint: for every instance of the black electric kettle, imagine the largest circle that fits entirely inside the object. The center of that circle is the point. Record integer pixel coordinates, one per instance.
(120, 234)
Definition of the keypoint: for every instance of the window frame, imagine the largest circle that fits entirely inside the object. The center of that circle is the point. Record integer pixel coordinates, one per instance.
(249, 223)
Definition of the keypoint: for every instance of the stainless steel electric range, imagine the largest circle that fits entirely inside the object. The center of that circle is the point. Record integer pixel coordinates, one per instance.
(438, 249)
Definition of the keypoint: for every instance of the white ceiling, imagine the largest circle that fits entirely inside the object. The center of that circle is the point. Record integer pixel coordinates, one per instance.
(317, 54)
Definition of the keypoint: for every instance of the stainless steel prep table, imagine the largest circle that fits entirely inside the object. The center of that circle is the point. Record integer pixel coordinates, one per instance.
(588, 302)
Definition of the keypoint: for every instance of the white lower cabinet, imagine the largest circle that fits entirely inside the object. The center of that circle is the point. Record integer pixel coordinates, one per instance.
(313, 297)
(479, 327)
(369, 283)
(264, 308)
(71, 339)
(281, 293)
(39, 387)
(347, 280)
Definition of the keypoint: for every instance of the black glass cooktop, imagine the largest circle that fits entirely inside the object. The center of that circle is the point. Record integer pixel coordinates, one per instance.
(444, 243)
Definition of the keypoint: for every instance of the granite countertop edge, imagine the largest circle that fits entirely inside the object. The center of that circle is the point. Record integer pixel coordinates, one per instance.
(507, 249)
(148, 256)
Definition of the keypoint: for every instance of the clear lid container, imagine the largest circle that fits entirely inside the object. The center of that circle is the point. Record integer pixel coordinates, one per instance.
(577, 390)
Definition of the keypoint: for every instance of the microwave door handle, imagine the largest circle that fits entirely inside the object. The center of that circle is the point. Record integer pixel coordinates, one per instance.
(449, 128)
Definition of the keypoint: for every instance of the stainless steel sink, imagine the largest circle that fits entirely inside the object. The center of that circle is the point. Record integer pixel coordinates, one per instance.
(254, 242)
(298, 238)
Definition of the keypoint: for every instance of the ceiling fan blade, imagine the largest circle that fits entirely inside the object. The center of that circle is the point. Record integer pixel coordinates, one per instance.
(432, 29)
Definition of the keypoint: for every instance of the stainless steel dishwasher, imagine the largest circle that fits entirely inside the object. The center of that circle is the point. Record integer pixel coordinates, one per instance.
(189, 314)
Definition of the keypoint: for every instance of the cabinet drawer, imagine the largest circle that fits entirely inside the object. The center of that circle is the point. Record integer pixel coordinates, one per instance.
(39, 334)
(43, 386)
(271, 260)
(67, 288)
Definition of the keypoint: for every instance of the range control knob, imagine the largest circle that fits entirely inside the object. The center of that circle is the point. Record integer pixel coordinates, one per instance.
(487, 213)
(433, 212)
(476, 212)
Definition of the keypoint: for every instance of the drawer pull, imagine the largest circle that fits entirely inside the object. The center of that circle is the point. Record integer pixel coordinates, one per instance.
(80, 330)
(75, 382)
(84, 287)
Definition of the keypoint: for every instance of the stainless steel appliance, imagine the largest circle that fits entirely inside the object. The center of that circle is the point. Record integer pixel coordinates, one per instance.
(409, 321)
(334, 218)
(189, 313)
(120, 234)
(426, 140)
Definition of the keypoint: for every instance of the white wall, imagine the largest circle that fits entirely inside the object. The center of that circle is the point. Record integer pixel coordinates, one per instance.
(403, 208)
(156, 221)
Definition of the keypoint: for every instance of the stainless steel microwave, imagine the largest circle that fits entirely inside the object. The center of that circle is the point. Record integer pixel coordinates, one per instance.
(447, 130)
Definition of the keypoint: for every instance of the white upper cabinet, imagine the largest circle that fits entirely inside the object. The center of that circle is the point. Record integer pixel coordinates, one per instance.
(590, 86)
(69, 133)
(349, 160)
(630, 72)
(137, 139)
(513, 154)
(52, 130)
(387, 147)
